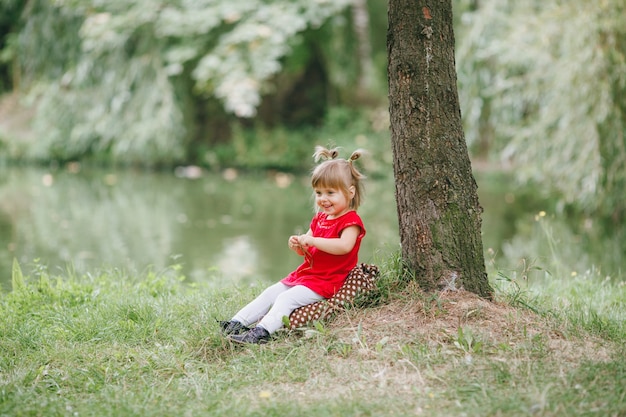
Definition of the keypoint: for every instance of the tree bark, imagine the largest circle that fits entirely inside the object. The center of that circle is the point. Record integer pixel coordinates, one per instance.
(436, 193)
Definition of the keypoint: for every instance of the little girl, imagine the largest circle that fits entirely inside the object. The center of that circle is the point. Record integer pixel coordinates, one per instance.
(330, 250)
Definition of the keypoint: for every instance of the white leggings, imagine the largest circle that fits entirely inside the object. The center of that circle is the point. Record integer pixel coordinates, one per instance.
(274, 303)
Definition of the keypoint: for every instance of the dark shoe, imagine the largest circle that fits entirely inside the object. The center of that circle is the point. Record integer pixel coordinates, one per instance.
(232, 327)
(257, 335)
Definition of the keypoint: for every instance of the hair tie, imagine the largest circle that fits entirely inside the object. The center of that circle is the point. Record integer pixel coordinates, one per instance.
(325, 154)
(354, 156)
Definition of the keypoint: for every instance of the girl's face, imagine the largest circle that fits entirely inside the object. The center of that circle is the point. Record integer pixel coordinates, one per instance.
(333, 201)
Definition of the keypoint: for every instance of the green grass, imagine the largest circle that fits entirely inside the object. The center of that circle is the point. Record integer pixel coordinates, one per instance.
(109, 344)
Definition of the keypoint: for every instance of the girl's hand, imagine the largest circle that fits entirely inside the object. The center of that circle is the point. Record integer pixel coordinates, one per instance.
(335, 246)
(294, 245)
(305, 241)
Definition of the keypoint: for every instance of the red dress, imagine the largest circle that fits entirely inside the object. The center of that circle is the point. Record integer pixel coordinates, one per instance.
(322, 272)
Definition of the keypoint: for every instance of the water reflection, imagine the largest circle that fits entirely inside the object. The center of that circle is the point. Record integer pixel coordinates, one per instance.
(528, 236)
(227, 228)
(220, 227)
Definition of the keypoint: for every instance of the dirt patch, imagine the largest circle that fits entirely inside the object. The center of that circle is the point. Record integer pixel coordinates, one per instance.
(439, 319)
(417, 348)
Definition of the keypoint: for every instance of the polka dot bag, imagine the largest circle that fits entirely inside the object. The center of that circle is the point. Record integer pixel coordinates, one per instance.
(359, 281)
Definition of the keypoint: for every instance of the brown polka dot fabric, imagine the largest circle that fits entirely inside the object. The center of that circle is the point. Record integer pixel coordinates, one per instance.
(359, 281)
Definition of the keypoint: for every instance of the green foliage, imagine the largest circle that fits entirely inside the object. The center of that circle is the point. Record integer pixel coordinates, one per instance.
(47, 45)
(542, 83)
(9, 16)
(584, 297)
(290, 149)
(392, 279)
(136, 117)
(128, 96)
(117, 99)
(248, 41)
(467, 341)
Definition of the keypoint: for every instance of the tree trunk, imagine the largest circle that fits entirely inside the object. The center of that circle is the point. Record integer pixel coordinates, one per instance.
(436, 193)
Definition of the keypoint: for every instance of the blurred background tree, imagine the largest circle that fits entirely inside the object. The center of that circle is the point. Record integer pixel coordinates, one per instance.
(543, 87)
(144, 81)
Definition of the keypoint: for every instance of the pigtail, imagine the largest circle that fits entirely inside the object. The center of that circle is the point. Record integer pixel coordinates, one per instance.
(326, 154)
(355, 155)
(356, 174)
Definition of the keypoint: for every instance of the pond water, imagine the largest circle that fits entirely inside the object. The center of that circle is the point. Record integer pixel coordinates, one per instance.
(224, 227)
(228, 227)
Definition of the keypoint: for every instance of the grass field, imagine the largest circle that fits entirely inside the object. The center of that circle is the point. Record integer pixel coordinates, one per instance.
(116, 345)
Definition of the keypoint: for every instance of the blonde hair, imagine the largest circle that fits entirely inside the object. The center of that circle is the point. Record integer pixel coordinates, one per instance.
(338, 173)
